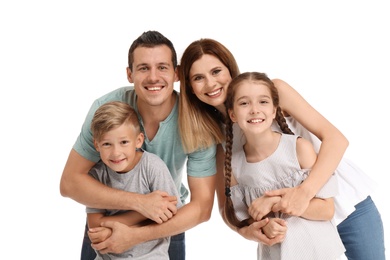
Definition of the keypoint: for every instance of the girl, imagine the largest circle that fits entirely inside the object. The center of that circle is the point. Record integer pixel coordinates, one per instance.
(271, 160)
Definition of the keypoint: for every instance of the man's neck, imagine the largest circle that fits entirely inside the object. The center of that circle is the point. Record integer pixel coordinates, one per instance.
(153, 115)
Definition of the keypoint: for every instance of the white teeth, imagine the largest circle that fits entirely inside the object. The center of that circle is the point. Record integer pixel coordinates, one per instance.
(256, 120)
(154, 88)
(214, 93)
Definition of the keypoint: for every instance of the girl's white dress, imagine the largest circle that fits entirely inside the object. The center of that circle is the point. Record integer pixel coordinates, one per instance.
(305, 239)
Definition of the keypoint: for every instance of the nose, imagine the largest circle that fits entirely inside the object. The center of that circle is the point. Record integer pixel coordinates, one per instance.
(153, 75)
(210, 82)
(253, 110)
(116, 150)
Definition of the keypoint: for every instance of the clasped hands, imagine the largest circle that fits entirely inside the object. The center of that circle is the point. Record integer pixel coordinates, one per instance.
(271, 231)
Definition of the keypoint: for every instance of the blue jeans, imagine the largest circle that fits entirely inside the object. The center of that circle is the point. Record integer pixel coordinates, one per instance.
(87, 252)
(176, 248)
(362, 233)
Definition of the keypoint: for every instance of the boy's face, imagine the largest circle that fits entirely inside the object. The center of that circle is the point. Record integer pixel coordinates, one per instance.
(153, 74)
(118, 148)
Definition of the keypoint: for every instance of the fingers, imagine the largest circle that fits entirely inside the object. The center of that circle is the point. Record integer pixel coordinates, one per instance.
(279, 192)
(172, 199)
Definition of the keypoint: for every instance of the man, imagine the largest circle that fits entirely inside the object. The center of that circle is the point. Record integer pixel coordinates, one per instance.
(152, 69)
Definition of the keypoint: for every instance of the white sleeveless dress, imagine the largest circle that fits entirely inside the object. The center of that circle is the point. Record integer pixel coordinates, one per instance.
(305, 239)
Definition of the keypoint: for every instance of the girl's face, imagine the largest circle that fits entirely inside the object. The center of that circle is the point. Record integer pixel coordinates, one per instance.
(253, 108)
(209, 79)
(118, 148)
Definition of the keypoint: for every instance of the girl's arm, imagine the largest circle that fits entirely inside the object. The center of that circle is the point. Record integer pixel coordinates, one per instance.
(295, 200)
(252, 232)
(319, 209)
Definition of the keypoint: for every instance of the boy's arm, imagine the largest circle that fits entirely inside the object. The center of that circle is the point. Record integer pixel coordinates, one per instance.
(128, 218)
(77, 184)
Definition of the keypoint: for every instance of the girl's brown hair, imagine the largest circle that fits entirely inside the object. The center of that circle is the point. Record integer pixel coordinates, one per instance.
(231, 92)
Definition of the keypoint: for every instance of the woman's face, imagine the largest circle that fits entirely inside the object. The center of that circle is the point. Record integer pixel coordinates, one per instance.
(209, 79)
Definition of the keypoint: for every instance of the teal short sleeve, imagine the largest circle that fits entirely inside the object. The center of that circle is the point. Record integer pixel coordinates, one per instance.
(202, 163)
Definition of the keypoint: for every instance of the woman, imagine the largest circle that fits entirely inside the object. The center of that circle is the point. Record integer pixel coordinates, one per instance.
(206, 69)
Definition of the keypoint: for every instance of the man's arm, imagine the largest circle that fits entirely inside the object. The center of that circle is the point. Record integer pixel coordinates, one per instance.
(198, 210)
(78, 185)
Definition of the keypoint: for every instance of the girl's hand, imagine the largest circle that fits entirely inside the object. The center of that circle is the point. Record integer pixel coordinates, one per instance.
(260, 207)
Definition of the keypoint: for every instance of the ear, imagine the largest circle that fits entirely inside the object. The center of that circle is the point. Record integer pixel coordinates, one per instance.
(129, 75)
(232, 115)
(96, 145)
(274, 113)
(177, 74)
(140, 140)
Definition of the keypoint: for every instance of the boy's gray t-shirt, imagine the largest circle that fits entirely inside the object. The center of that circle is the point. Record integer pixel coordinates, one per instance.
(166, 144)
(150, 174)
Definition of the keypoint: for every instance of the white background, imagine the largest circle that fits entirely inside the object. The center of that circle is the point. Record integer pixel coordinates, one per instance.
(56, 57)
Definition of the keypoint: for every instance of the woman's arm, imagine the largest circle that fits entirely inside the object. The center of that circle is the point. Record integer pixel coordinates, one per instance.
(295, 200)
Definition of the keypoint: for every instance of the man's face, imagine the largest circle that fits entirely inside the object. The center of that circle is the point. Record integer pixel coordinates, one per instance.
(153, 74)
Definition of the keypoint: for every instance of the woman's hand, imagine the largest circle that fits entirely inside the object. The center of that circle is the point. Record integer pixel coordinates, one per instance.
(294, 201)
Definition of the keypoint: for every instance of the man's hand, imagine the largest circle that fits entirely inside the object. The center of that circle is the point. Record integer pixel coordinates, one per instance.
(260, 207)
(294, 201)
(121, 239)
(157, 206)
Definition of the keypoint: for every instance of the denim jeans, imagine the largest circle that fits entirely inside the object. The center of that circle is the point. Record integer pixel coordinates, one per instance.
(176, 248)
(362, 233)
(87, 252)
